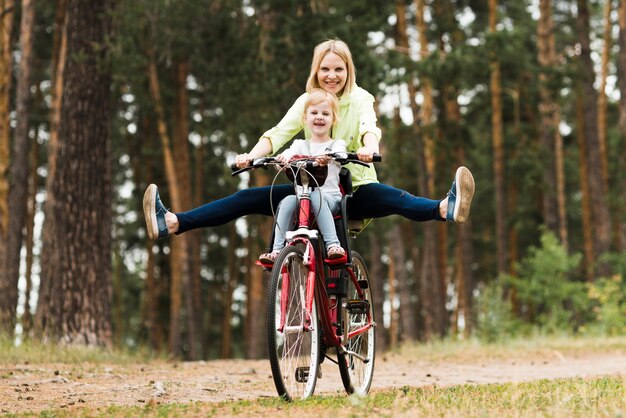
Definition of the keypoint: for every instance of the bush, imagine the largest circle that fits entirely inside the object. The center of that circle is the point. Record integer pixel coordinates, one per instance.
(608, 299)
(546, 292)
(494, 314)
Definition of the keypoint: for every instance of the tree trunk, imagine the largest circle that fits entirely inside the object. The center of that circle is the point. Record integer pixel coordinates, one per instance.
(588, 243)
(256, 334)
(178, 256)
(602, 99)
(599, 208)
(548, 108)
(59, 52)
(620, 224)
(551, 138)
(18, 187)
(183, 169)
(378, 291)
(393, 305)
(29, 241)
(117, 306)
(428, 103)
(498, 149)
(59, 58)
(6, 78)
(74, 306)
(231, 281)
(397, 251)
(429, 278)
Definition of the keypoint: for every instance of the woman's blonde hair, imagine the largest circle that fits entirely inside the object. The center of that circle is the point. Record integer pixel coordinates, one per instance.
(317, 96)
(321, 50)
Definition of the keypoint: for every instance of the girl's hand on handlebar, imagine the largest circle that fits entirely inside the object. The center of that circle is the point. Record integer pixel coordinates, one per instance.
(322, 160)
(281, 159)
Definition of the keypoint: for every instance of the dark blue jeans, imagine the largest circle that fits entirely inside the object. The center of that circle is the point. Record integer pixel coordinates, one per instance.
(374, 200)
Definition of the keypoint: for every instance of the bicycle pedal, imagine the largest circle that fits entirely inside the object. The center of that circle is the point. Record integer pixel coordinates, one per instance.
(302, 374)
(358, 306)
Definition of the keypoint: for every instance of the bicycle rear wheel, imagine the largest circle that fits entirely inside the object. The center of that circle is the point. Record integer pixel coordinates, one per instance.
(293, 344)
(357, 373)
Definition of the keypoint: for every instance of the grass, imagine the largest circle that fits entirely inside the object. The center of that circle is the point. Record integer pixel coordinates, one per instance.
(29, 352)
(603, 397)
(532, 346)
(600, 397)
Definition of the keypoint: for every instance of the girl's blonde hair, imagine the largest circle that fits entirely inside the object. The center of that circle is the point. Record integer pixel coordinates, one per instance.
(317, 96)
(321, 50)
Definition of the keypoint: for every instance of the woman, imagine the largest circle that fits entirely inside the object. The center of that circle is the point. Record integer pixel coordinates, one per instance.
(332, 69)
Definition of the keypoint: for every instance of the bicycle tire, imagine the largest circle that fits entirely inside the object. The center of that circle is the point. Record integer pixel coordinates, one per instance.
(356, 374)
(294, 351)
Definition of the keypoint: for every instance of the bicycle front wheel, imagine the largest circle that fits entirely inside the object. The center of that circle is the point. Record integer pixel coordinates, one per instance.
(357, 365)
(293, 335)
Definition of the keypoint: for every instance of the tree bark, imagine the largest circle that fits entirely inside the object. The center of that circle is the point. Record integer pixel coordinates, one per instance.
(178, 256)
(588, 243)
(231, 281)
(498, 149)
(6, 81)
(29, 241)
(620, 224)
(549, 125)
(183, 169)
(393, 305)
(599, 207)
(378, 291)
(256, 335)
(397, 252)
(602, 99)
(18, 186)
(74, 304)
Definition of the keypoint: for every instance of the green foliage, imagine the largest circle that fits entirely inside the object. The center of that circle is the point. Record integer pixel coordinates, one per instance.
(494, 313)
(609, 304)
(608, 297)
(545, 290)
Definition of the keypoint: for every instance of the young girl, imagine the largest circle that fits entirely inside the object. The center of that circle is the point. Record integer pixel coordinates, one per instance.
(320, 115)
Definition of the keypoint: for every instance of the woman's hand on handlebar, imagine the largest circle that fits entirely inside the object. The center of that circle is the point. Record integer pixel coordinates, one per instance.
(243, 160)
(365, 154)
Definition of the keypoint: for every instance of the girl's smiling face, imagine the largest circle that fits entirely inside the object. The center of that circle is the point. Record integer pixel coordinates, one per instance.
(332, 74)
(319, 118)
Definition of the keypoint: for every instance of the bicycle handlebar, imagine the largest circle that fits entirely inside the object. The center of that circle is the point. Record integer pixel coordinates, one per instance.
(341, 157)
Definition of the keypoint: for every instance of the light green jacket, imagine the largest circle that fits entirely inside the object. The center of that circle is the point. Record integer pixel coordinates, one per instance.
(356, 117)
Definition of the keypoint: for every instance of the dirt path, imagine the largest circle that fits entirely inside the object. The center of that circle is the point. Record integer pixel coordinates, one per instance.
(49, 386)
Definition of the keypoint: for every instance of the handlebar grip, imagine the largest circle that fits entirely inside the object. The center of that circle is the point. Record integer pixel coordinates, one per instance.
(377, 158)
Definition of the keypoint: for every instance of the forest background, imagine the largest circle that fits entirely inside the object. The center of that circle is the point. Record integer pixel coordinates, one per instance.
(100, 98)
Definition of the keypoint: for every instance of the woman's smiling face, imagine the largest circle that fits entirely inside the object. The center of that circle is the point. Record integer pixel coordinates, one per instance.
(332, 74)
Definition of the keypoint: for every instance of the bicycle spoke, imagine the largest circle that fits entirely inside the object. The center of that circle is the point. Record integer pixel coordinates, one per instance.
(357, 373)
(292, 349)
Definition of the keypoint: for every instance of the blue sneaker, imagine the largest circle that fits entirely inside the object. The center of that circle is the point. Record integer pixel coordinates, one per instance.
(460, 196)
(154, 212)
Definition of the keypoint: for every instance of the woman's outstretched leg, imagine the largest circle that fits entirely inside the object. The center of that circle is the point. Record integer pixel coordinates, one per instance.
(376, 200)
(254, 201)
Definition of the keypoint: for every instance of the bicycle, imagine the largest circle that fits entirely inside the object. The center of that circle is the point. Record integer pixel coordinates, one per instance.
(316, 305)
